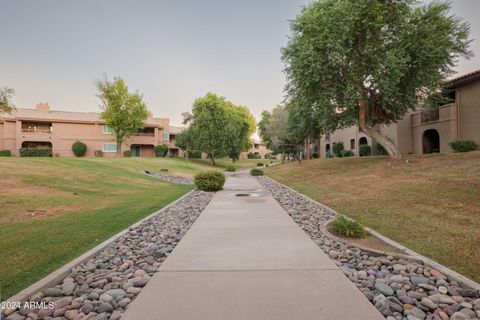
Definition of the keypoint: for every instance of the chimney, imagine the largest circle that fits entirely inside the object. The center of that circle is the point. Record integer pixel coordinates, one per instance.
(42, 107)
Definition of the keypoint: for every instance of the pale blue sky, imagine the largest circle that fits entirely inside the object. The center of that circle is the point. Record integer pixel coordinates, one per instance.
(172, 51)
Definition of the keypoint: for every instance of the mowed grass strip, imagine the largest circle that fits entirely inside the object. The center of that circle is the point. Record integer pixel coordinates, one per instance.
(429, 203)
(54, 209)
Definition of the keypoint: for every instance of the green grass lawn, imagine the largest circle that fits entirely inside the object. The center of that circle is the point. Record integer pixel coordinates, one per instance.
(431, 203)
(54, 209)
(240, 164)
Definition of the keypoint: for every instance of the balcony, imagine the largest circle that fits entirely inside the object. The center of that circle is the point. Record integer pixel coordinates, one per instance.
(36, 127)
(145, 132)
(429, 116)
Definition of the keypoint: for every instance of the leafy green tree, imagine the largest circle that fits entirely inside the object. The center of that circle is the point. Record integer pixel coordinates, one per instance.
(6, 95)
(368, 62)
(218, 127)
(124, 112)
(273, 131)
(184, 141)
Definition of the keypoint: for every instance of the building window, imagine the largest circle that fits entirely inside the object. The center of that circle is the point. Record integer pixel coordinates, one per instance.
(165, 136)
(352, 144)
(109, 147)
(107, 130)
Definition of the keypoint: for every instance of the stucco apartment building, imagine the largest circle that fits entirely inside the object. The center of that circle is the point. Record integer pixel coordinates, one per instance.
(42, 127)
(423, 130)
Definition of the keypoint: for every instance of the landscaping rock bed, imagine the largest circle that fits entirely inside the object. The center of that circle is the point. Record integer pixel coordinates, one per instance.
(173, 179)
(399, 288)
(104, 286)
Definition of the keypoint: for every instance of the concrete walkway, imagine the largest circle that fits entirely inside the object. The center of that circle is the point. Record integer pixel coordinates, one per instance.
(245, 258)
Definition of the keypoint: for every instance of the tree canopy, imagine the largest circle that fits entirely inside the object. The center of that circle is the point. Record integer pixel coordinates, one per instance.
(124, 112)
(368, 62)
(218, 127)
(6, 95)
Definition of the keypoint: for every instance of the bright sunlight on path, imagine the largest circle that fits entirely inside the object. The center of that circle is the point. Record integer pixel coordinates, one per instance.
(245, 258)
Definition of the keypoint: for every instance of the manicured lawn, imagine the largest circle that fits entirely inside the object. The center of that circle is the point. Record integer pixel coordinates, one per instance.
(54, 209)
(240, 164)
(431, 203)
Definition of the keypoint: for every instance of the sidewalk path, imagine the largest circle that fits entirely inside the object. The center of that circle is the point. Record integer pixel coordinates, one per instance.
(245, 258)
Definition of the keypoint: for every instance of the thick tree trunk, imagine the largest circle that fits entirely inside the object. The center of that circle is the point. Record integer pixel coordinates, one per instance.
(375, 134)
(119, 149)
(186, 155)
(212, 160)
(283, 156)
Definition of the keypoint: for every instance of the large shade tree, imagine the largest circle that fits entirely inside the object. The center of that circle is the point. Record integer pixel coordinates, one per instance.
(368, 62)
(219, 128)
(6, 96)
(124, 112)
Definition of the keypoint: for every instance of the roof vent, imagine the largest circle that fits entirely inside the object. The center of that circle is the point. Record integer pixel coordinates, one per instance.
(43, 107)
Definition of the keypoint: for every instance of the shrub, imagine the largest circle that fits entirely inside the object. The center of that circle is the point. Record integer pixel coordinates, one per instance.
(252, 155)
(79, 149)
(463, 145)
(210, 180)
(380, 150)
(347, 153)
(98, 153)
(230, 168)
(259, 164)
(256, 172)
(35, 152)
(337, 149)
(365, 150)
(269, 156)
(5, 153)
(315, 155)
(127, 153)
(348, 228)
(194, 154)
(161, 150)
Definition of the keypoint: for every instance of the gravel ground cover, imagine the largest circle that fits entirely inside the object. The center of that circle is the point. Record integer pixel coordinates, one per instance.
(173, 179)
(104, 286)
(399, 288)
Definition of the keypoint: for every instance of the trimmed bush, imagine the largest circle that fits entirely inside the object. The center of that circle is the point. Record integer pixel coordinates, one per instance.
(230, 168)
(347, 153)
(194, 154)
(161, 150)
(337, 149)
(79, 149)
(256, 172)
(127, 153)
(365, 150)
(463, 145)
(35, 152)
(210, 180)
(5, 153)
(98, 153)
(252, 155)
(315, 155)
(347, 228)
(380, 150)
(259, 164)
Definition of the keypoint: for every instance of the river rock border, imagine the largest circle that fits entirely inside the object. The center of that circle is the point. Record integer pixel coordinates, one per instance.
(167, 178)
(400, 288)
(102, 287)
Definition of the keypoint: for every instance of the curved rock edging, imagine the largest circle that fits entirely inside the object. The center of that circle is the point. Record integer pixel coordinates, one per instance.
(172, 179)
(101, 283)
(400, 289)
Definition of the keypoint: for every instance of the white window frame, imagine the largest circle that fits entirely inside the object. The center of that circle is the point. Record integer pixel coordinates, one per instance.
(106, 129)
(109, 144)
(167, 135)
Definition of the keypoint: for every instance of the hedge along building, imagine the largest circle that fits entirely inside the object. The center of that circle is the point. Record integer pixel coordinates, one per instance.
(58, 130)
(423, 130)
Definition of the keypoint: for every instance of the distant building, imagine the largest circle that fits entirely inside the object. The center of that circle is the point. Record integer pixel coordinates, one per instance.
(423, 130)
(258, 148)
(58, 130)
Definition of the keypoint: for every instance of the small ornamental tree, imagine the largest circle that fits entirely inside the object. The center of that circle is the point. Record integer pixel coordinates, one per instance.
(6, 95)
(79, 149)
(124, 112)
(161, 150)
(369, 62)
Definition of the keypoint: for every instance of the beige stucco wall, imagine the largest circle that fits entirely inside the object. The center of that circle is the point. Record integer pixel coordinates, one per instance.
(343, 135)
(446, 126)
(468, 98)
